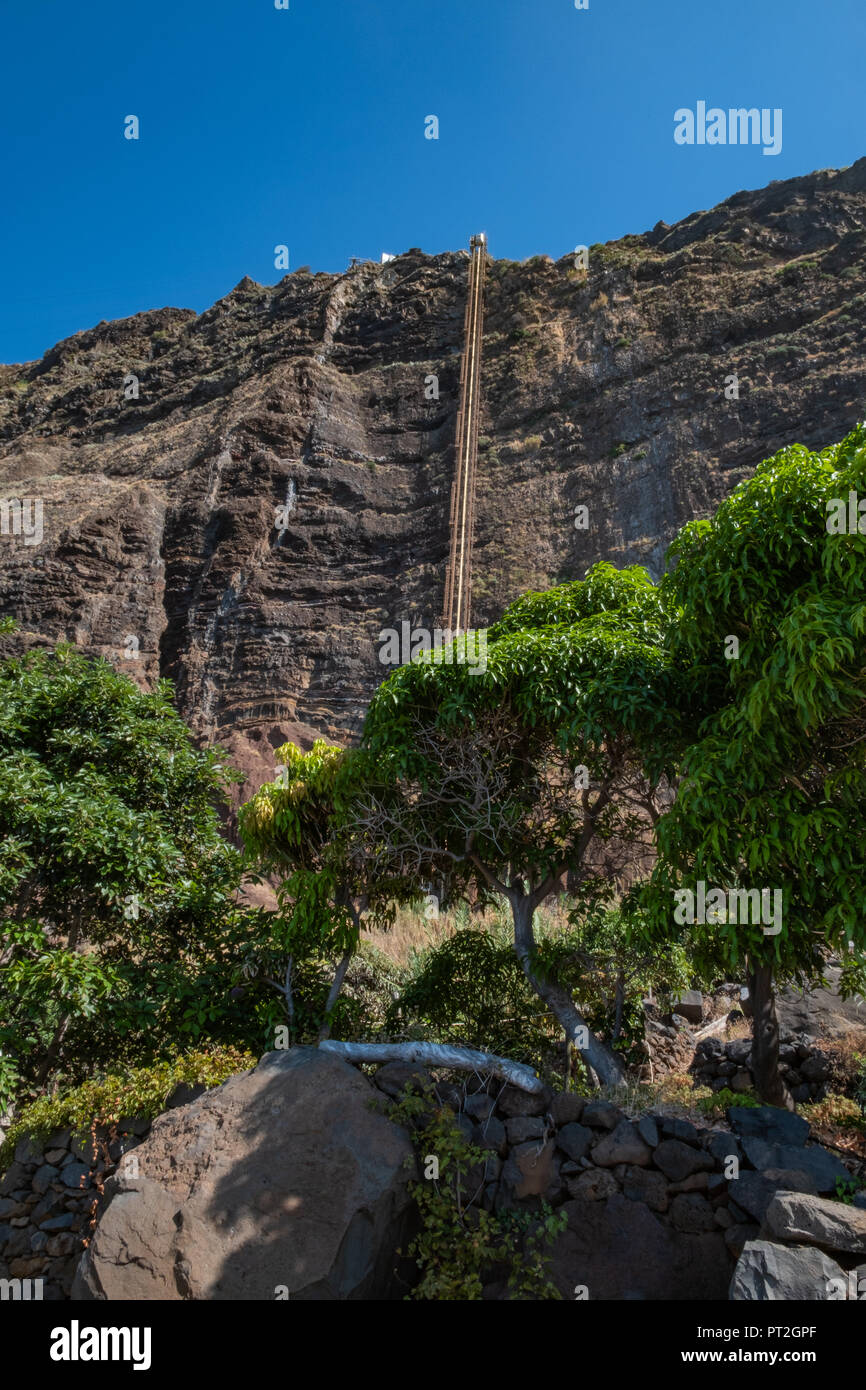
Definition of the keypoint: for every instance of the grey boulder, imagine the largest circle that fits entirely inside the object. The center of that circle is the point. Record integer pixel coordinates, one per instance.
(770, 1123)
(822, 1166)
(771, 1273)
(834, 1225)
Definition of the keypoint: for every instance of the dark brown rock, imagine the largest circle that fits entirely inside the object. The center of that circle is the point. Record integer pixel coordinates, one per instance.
(601, 1114)
(566, 1107)
(690, 1211)
(282, 1178)
(531, 1170)
(575, 1140)
(394, 1077)
(512, 1102)
(678, 1160)
(622, 1145)
(593, 1185)
(521, 1128)
(645, 1185)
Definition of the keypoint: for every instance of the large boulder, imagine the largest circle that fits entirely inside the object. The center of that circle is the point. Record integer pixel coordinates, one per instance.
(754, 1192)
(836, 1226)
(769, 1273)
(769, 1122)
(821, 1012)
(284, 1182)
(823, 1167)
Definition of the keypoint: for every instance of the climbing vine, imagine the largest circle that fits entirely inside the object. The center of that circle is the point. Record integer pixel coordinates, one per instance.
(461, 1247)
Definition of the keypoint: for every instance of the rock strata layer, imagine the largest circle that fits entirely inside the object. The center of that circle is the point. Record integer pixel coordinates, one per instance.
(243, 499)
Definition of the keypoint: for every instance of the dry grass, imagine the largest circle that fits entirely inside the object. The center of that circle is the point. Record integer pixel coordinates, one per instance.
(410, 934)
(740, 1028)
(673, 1094)
(838, 1120)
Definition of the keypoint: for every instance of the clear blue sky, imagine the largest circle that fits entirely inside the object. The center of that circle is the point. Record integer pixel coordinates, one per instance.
(306, 127)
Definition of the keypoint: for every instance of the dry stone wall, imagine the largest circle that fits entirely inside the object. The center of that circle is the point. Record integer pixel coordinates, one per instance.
(657, 1207)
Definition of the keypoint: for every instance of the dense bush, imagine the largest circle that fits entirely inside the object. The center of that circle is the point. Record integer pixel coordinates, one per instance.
(142, 1092)
(471, 991)
(119, 934)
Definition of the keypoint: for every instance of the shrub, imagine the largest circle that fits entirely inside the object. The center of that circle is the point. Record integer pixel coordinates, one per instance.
(847, 1189)
(725, 1100)
(471, 991)
(118, 931)
(142, 1092)
(460, 1246)
(834, 1112)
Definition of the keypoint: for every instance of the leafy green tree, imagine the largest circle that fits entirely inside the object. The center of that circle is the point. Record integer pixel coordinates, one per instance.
(502, 781)
(768, 615)
(470, 989)
(295, 828)
(115, 881)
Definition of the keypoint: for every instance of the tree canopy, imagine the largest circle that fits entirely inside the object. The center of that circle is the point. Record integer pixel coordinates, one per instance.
(115, 878)
(507, 779)
(767, 613)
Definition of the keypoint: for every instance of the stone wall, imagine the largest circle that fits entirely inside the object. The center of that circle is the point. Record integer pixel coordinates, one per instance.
(657, 1206)
(51, 1195)
(805, 1067)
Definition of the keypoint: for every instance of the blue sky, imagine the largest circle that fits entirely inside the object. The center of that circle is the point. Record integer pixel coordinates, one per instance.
(305, 127)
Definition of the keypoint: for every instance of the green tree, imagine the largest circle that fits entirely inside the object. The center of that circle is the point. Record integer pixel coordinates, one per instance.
(295, 828)
(768, 615)
(502, 781)
(115, 881)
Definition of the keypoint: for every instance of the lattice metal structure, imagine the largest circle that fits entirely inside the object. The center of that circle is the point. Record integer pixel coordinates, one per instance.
(456, 614)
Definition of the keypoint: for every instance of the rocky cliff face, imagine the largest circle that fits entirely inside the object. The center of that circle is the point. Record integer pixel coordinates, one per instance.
(277, 492)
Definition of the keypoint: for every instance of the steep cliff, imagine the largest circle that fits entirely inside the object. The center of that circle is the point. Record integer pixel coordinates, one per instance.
(160, 549)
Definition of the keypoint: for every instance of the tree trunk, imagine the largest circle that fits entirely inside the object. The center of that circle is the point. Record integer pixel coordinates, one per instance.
(765, 1039)
(52, 1052)
(600, 1057)
(333, 995)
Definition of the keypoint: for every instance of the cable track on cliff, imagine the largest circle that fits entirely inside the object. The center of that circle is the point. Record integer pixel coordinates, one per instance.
(456, 613)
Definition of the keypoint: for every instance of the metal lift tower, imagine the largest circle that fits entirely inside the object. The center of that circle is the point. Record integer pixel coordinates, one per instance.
(458, 578)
